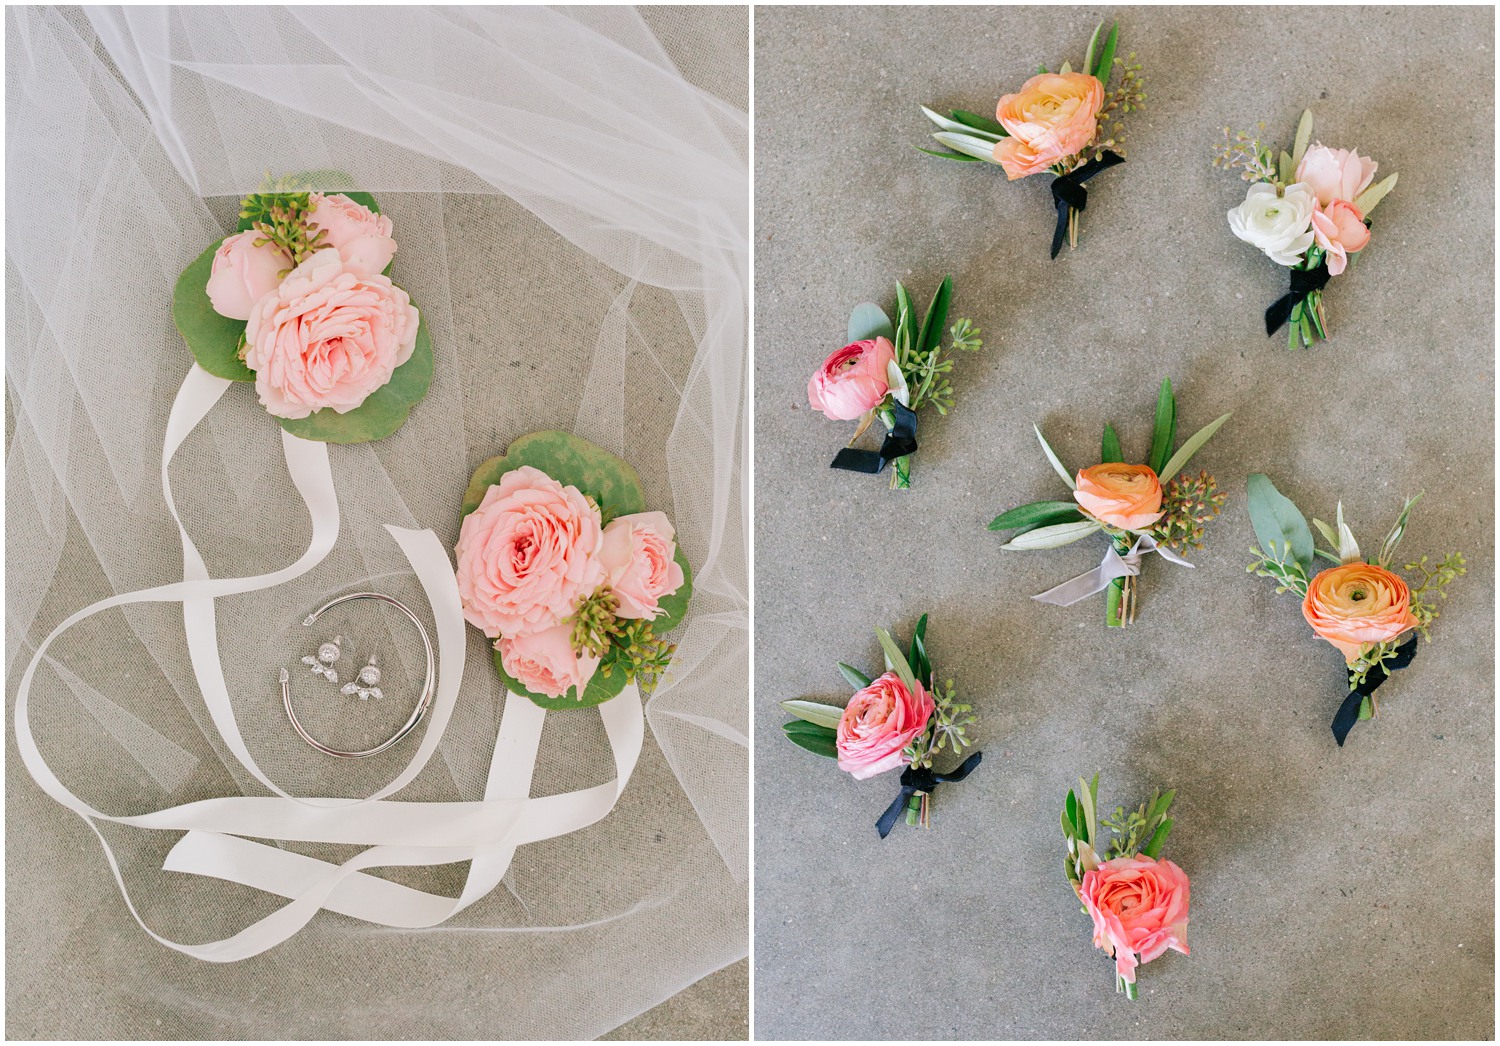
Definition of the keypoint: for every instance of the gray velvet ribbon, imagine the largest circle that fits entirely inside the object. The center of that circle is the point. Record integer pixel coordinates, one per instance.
(1113, 566)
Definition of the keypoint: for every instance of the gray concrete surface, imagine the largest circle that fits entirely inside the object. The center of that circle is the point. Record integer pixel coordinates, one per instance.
(1336, 893)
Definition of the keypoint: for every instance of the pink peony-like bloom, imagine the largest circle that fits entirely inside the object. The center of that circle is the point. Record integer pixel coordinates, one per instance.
(1340, 230)
(638, 555)
(328, 337)
(852, 380)
(1052, 116)
(1335, 174)
(527, 554)
(880, 721)
(362, 237)
(1139, 907)
(243, 274)
(545, 662)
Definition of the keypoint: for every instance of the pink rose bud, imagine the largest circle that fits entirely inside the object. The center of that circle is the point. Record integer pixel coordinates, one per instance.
(879, 722)
(545, 663)
(527, 554)
(638, 555)
(362, 237)
(1139, 907)
(328, 337)
(243, 274)
(852, 380)
(1335, 174)
(1341, 231)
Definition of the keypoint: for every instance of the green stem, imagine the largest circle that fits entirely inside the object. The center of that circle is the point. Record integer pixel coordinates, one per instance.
(1114, 595)
(914, 810)
(901, 477)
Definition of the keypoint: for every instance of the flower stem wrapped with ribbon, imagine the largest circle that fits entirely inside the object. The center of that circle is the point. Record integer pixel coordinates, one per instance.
(1141, 509)
(1309, 210)
(1067, 123)
(900, 719)
(890, 371)
(1367, 611)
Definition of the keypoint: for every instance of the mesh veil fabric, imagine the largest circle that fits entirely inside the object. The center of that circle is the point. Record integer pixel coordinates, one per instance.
(569, 189)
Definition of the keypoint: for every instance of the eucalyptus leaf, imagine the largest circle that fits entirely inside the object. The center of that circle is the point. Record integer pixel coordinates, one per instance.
(1164, 434)
(1037, 514)
(1192, 446)
(868, 321)
(1051, 537)
(1109, 446)
(213, 340)
(979, 123)
(826, 716)
(1367, 200)
(816, 739)
(855, 678)
(1279, 526)
(599, 689)
(1052, 457)
(969, 144)
(896, 660)
(1299, 145)
(611, 481)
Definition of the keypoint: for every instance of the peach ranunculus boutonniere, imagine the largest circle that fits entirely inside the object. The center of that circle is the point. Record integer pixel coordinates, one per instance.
(1366, 610)
(1068, 124)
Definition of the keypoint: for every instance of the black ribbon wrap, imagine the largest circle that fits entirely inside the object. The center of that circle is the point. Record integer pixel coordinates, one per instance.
(1070, 195)
(1304, 282)
(899, 442)
(914, 781)
(1348, 713)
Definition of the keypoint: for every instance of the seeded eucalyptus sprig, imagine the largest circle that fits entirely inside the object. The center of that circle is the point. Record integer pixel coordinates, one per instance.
(639, 653)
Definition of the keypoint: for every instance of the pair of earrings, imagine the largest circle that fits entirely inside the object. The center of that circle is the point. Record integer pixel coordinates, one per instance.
(363, 685)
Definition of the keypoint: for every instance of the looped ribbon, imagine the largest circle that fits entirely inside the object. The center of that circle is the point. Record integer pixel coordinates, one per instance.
(899, 442)
(1348, 713)
(1303, 283)
(219, 832)
(1069, 194)
(924, 780)
(1113, 565)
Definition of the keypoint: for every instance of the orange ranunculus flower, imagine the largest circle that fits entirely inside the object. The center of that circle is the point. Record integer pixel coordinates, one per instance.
(1054, 115)
(1124, 496)
(1357, 604)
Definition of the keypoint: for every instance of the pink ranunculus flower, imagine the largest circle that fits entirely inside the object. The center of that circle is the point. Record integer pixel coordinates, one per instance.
(852, 380)
(1052, 116)
(243, 274)
(1139, 907)
(362, 237)
(527, 554)
(327, 338)
(545, 662)
(638, 555)
(880, 721)
(1335, 174)
(1340, 230)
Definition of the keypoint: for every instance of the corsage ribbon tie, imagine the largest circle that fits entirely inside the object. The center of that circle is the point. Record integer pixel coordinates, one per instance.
(924, 780)
(1114, 565)
(1304, 282)
(1070, 195)
(899, 442)
(1348, 713)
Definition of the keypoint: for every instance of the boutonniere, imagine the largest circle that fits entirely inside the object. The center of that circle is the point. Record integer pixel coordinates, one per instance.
(1068, 124)
(1140, 508)
(560, 564)
(299, 301)
(1308, 209)
(1358, 604)
(891, 371)
(898, 720)
(1138, 901)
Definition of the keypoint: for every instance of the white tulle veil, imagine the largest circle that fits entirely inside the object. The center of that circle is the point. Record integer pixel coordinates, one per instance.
(569, 188)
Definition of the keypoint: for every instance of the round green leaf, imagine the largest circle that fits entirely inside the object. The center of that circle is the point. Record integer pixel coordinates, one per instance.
(573, 462)
(213, 340)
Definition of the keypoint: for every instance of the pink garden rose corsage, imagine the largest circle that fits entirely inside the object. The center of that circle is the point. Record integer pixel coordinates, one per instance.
(890, 371)
(1138, 901)
(1309, 210)
(565, 572)
(1067, 123)
(897, 721)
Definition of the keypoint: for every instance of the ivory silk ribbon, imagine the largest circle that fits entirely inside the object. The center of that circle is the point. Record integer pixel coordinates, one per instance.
(486, 833)
(1113, 566)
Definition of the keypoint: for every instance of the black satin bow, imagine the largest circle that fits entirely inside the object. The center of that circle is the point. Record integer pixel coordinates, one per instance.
(899, 442)
(1348, 713)
(914, 781)
(1304, 282)
(1070, 195)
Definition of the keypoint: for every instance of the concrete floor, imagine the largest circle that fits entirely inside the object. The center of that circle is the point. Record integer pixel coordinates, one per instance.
(1337, 893)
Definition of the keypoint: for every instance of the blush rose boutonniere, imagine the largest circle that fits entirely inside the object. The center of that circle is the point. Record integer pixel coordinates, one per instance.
(299, 301)
(900, 720)
(565, 572)
(891, 371)
(1140, 508)
(1138, 901)
(1307, 210)
(1067, 123)
(1369, 613)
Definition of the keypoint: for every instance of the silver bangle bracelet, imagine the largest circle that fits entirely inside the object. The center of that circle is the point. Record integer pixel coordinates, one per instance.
(429, 686)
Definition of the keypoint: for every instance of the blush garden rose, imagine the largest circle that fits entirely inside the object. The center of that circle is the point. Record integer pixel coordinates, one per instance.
(1140, 909)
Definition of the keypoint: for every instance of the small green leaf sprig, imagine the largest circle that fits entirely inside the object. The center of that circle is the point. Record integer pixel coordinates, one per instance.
(639, 653)
(280, 212)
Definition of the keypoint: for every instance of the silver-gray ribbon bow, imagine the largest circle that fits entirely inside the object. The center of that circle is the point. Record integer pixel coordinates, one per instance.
(1113, 566)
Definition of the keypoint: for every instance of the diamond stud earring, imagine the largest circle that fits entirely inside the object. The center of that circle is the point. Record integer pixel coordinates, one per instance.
(369, 676)
(328, 654)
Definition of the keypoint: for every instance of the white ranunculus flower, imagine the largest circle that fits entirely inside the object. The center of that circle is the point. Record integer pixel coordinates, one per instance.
(1280, 225)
